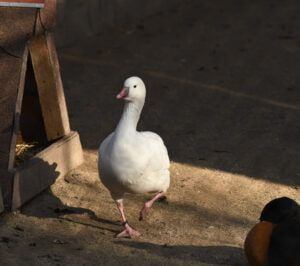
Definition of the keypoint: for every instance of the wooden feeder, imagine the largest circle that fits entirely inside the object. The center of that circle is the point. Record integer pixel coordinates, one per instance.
(36, 143)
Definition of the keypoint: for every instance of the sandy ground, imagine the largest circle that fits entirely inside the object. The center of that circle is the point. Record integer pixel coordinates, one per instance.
(223, 92)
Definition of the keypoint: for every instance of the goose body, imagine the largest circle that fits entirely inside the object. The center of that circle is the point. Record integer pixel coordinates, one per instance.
(132, 161)
(138, 164)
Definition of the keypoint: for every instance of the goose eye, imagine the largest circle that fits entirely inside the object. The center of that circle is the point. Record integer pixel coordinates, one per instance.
(134, 86)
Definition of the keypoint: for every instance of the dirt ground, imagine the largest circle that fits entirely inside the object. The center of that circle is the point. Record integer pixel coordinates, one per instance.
(223, 92)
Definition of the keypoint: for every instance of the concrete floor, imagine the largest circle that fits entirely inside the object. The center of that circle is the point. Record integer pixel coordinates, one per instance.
(226, 75)
(223, 92)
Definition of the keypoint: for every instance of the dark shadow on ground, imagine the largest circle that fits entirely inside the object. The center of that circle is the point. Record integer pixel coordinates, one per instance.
(47, 205)
(43, 247)
(222, 85)
(218, 255)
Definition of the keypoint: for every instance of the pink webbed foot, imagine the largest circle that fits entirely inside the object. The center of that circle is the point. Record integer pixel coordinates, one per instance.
(128, 232)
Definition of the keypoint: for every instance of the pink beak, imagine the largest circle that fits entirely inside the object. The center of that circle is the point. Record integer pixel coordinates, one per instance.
(123, 93)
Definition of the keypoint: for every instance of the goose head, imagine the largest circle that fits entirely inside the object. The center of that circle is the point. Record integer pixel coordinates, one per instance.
(134, 90)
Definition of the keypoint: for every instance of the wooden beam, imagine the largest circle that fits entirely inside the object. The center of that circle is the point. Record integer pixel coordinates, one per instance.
(41, 171)
(18, 107)
(49, 84)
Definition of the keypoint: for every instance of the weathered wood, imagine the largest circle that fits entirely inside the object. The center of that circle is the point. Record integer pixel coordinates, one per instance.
(50, 89)
(42, 170)
(16, 28)
(32, 103)
(18, 106)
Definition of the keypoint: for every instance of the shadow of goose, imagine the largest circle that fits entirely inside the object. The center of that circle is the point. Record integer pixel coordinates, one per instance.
(219, 255)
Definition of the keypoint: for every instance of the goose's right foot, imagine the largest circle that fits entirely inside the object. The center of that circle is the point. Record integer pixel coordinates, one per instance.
(148, 204)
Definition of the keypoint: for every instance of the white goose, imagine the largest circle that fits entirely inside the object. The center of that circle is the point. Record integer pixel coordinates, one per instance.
(132, 161)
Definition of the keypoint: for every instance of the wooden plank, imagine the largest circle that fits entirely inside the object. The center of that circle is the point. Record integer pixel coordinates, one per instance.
(38, 173)
(32, 122)
(50, 89)
(17, 114)
(58, 82)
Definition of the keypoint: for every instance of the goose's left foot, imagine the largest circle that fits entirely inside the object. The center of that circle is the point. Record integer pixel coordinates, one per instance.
(148, 204)
(128, 232)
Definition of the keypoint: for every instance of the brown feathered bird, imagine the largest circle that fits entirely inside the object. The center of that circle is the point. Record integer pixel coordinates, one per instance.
(275, 240)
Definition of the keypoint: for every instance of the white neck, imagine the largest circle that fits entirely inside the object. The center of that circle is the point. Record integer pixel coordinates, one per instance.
(130, 117)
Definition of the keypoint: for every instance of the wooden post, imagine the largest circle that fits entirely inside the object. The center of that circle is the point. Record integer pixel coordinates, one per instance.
(49, 84)
(18, 105)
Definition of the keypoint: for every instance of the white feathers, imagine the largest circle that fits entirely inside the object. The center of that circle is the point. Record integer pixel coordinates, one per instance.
(132, 161)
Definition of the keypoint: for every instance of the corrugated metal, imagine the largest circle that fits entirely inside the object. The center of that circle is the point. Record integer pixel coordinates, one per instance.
(32, 4)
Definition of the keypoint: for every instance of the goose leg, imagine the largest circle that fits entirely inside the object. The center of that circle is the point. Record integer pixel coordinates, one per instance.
(148, 204)
(128, 231)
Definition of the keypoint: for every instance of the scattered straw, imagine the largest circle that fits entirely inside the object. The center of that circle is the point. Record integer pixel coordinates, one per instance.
(24, 151)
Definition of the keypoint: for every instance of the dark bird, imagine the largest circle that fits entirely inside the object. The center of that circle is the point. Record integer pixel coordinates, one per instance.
(275, 240)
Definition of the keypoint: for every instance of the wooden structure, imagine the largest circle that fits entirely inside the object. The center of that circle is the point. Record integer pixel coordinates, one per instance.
(32, 103)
